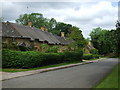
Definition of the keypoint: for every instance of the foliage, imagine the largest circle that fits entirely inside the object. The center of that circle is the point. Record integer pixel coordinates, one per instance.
(76, 36)
(104, 40)
(94, 51)
(117, 38)
(73, 56)
(49, 49)
(31, 59)
(12, 46)
(53, 49)
(37, 19)
(90, 56)
(44, 47)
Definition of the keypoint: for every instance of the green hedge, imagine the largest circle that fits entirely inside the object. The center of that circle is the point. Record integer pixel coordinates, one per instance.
(90, 56)
(31, 59)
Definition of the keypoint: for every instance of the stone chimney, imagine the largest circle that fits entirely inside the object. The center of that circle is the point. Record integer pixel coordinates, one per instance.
(62, 34)
(46, 30)
(30, 23)
(42, 28)
(89, 43)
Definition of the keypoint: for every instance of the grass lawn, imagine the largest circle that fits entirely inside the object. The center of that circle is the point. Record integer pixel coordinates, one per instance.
(111, 81)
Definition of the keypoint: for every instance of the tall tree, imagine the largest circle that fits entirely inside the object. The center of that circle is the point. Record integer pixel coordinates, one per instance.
(117, 36)
(104, 40)
(52, 24)
(37, 20)
(76, 36)
(63, 27)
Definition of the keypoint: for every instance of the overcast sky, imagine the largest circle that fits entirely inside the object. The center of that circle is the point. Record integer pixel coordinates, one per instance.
(85, 15)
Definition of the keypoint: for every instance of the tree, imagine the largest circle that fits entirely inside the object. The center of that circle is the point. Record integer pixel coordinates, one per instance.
(37, 20)
(76, 36)
(117, 38)
(95, 34)
(52, 24)
(104, 40)
(100, 39)
(63, 27)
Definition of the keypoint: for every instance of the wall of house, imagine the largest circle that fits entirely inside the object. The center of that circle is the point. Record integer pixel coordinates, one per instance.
(36, 44)
(18, 41)
(26, 41)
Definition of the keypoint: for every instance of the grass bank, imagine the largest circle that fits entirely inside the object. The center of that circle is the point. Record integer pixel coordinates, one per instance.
(111, 81)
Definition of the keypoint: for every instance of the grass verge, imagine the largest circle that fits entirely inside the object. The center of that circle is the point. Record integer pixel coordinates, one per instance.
(111, 81)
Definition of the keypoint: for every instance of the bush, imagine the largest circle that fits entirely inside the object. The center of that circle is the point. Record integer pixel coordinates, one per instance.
(12, 46)
(73, 56)
(90, 56)
(87, 56)
(53, 49)
(94, 51)
(32, 59)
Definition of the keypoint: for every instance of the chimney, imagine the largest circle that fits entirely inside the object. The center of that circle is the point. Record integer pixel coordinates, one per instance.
(46, 30)
(42, 28)
(89, 43)
(62, 34)
(30, 23)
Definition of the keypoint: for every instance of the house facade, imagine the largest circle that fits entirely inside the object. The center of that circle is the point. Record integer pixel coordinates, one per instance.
(29, 36)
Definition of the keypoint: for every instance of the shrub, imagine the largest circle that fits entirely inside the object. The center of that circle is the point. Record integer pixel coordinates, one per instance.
(53, 49)
(12, 46)
(31, 59)
(87, 56)
(73, 56)
(90, 56)
(94, 51)
(44, 47)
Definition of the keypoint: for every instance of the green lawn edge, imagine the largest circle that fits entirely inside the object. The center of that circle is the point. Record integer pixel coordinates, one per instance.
(110, 81)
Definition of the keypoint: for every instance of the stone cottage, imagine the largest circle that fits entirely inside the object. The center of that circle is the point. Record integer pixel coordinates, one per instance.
(29, 36)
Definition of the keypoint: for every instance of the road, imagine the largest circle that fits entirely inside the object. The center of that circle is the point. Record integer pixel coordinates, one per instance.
(83, 76)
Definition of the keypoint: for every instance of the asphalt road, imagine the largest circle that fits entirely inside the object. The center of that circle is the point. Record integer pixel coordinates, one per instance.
(83, 76)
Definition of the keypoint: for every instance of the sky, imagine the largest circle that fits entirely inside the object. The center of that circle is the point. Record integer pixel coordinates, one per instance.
(85, 15)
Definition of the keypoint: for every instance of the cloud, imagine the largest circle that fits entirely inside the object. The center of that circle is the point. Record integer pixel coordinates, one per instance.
(85, 15)
(101, 14)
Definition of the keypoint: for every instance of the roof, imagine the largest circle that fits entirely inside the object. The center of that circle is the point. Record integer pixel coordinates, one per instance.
(16, 30)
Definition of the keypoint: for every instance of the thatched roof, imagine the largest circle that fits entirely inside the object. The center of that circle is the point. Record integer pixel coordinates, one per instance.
(20, 31)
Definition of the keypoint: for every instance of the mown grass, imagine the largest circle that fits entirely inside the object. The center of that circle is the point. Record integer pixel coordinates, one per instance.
(111, 81)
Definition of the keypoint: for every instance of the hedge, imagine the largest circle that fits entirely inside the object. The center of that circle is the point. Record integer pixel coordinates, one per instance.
(90, 56)
(32, 59)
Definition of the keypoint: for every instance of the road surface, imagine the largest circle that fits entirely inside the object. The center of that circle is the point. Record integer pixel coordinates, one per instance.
(83, 76)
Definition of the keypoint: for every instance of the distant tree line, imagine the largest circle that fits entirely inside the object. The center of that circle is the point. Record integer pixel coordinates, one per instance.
(106, 41)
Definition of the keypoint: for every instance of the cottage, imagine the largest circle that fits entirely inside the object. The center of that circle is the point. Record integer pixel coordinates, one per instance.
(29, 36)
